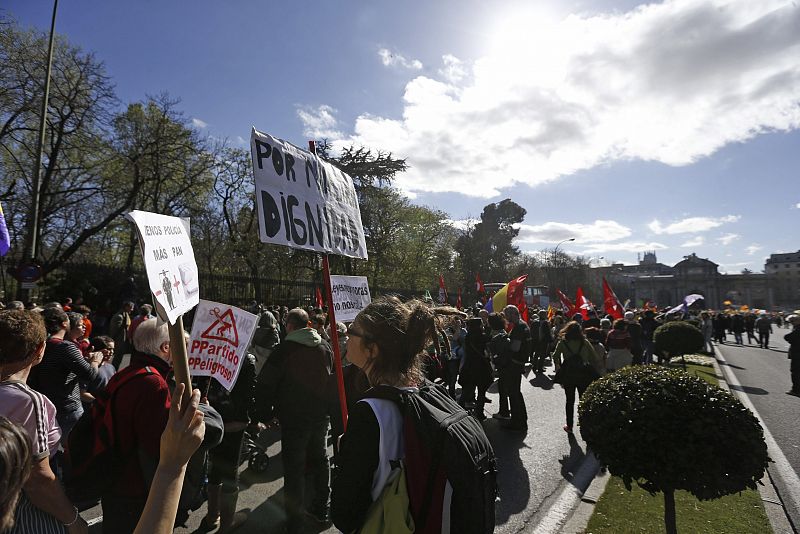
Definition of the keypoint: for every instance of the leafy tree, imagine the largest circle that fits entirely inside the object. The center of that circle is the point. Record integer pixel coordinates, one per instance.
(667, 430)
(487, 247)
(81, 99)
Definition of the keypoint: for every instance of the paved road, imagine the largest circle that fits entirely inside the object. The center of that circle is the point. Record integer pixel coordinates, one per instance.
(764, 378)
(533, 469)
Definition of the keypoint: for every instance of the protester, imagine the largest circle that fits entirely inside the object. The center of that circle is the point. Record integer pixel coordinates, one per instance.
(223, 477)
(511, 365)
(63, 369)
(15, 466)
(635, 331)
(750, 327)
(266, 337)
(387, 340)
(77, 333)
(104, 345)
(571, 352)
(737, 326)
(457, 334)
(293, 384)
(707, 328)
(595, 337)
(764, 328)
(118, 330)
(719, 327)
(476, 374)
(140, 411)
(543, 338)
(43, 507)
(145, 313)
(618, 343)
(793, 338)
(649, 325)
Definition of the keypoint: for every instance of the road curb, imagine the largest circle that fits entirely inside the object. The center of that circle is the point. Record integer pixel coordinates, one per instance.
(774, 504)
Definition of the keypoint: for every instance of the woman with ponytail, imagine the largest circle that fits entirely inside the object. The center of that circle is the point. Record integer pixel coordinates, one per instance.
(387, 341)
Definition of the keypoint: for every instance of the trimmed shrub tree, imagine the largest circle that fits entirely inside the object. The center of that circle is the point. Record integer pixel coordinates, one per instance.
(677, 338)
(667, 430)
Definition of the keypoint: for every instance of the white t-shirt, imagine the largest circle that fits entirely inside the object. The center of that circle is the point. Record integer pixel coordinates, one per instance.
(35, 413)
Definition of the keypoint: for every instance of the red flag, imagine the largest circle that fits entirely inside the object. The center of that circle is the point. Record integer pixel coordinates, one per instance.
(516, 296)
(582, 304)
(442, 291)
(318, 297)
(479, 284)
(566, 306)
(611, 303)
(458, 300)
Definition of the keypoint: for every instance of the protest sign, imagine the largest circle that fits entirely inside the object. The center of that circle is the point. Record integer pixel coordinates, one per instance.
(169, 260)
(350, 296)
(304, 202)
(219, 341)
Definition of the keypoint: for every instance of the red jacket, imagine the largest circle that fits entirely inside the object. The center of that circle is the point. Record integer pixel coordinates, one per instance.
(140, 413)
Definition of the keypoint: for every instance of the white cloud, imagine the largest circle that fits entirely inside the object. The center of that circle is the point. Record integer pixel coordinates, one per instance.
(453, 70)
(752, 249)
(623, 246)
(395, 59)
(552, 232)
(463, 224)
(694, 242)
(797, 205)
(197, 123)
(670, 82)
(727, 239)
(319, 122)
(240, 141)
(691, 225)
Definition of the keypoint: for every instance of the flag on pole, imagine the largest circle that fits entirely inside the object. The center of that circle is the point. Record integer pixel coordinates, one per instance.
(583, 304)
(566, 306)
(459, 305)
(611, 303)
(688, 300)
(442, 291)
(318, 297)
(511, 293)
(551, 312)
(479, 284)
(5, 239)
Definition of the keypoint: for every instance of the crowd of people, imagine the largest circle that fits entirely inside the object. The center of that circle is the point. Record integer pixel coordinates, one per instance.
(65, 373)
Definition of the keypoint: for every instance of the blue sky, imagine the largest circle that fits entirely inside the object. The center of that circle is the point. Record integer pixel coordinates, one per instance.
(671, 126)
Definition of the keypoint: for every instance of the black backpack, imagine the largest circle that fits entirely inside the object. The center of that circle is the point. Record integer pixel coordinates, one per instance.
(90, 450)
(444, 444)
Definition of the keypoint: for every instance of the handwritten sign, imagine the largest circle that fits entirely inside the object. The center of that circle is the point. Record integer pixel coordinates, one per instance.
(304, 202)
(350, 296)
(169, 261)
(219, 341)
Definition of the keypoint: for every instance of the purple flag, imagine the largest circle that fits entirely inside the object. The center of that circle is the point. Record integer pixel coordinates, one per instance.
(5, 240)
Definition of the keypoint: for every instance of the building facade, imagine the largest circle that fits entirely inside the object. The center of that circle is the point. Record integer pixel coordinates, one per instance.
(665, 286)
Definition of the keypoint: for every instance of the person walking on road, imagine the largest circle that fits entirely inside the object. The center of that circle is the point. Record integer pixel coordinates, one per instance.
(737, 325)
(572, 352)
(618, 344)
(793, 338)
(764, 328)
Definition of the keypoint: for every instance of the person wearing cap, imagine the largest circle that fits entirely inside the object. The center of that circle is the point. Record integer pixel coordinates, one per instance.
(793, 338)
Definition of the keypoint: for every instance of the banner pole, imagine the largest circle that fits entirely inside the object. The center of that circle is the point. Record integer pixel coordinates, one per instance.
(337, 357)
(180, 361)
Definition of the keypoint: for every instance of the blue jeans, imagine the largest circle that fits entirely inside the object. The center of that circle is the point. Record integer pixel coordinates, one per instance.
(301, 445)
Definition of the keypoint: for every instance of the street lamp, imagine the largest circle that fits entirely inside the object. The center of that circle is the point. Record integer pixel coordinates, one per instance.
(554, 257)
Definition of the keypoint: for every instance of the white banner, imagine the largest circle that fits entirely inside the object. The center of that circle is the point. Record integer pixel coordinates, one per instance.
(220, 337)
(169, 260)
(304, 202)
(350, 296)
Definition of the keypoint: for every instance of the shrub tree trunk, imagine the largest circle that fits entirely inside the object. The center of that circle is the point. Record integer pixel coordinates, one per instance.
(669, 512)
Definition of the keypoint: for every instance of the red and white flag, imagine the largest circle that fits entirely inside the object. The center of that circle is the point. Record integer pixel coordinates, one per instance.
(582, 304)
(479, 284)
(442, 291)
(459, 305)
(611, 303)
(566, 305)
